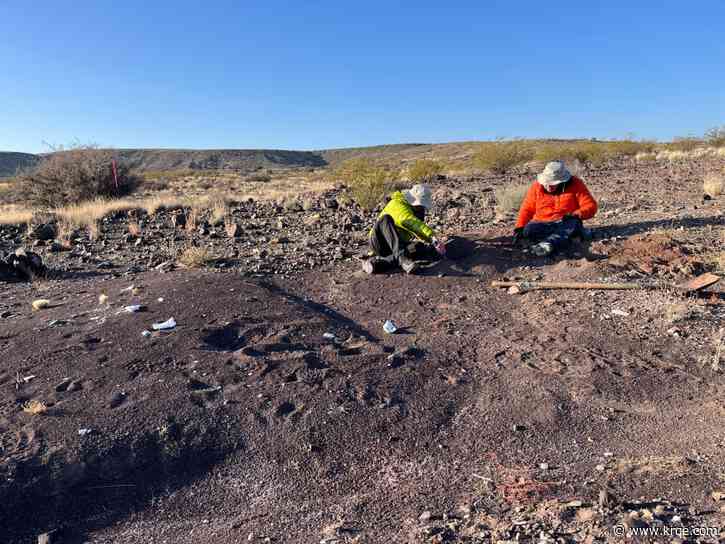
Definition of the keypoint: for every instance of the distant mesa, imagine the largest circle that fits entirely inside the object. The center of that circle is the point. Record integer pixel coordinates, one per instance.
(214, 159)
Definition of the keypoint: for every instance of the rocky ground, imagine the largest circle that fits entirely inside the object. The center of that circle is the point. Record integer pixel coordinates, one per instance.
(277, 409)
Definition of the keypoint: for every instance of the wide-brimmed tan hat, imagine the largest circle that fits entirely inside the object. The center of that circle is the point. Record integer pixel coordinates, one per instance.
(419, 195)
(554, 173)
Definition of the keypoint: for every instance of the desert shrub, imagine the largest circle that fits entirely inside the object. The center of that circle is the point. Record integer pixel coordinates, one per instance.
(425, 170)
(684, 143)
(75, 175)
(259, 177)
(510, 197)
(628, 148)
(585, 152)
(195, 257)
(713, 184)
(716, 136)
(368, 182)
(500, 156)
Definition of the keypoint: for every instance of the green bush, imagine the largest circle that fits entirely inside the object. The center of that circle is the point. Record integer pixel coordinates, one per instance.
(368, 182)
(499, 157)
(425, 170)
(75, 175)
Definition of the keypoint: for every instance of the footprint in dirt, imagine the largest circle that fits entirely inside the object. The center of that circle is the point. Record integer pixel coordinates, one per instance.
(226, 338)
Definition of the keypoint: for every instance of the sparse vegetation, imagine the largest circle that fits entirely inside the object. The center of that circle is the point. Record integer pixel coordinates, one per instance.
(154, 204)
(684, 143)
(716, 136)
(368, 181)
(425, 170)
(510, 197)
(585, 152)
(86, 214)
(259, 177)
(713, 184)
(14, 216)
(219, 211)
(192, 218)
(501, 156)
(75, 175)
(195, 257)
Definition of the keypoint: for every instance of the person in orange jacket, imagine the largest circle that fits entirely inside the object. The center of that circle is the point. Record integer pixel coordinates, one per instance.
(553, 210)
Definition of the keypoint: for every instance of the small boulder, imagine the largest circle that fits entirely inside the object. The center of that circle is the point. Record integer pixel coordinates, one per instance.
(45, 232)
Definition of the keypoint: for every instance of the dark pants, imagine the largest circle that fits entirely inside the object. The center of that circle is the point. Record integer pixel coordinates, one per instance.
(557, 233)
(387, 245)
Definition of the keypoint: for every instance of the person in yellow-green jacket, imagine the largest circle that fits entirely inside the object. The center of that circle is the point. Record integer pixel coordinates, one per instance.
(400, 236)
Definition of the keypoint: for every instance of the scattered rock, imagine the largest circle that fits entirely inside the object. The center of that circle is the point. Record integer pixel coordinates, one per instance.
(116, 399)
(51, 537)
(44, 232)
(63, 385)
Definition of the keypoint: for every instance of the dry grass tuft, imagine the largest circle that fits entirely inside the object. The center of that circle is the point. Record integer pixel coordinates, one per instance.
(65, 232)
(713, 184)
(719, 342)
(192, 219)
(40, 304)
(15, 216)
(677, 312)
(161, 202)
(510, 197)
(85, 214)
(35, 407)
(219, 212)
(195, 257)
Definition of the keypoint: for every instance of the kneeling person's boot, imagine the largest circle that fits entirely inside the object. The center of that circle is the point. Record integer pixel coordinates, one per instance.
(408, 265)
(542, 249)
(373, 265)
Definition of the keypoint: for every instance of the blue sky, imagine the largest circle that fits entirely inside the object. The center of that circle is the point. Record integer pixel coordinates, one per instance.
(318, 74)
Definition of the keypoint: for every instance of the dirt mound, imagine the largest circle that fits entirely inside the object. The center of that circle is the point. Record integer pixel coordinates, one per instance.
(657, 254)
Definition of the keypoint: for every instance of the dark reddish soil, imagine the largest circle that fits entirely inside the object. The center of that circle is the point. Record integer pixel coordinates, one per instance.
(278, 410)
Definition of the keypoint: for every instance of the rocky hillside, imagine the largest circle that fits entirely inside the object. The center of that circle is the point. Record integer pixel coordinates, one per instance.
(11, 162)
(244, 159)
(236, 159)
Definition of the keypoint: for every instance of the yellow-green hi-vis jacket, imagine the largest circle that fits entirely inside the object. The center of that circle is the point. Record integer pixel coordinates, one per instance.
(405, 220)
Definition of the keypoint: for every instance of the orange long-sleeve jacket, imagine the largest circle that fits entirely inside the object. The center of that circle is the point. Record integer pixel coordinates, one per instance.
(539, 205)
